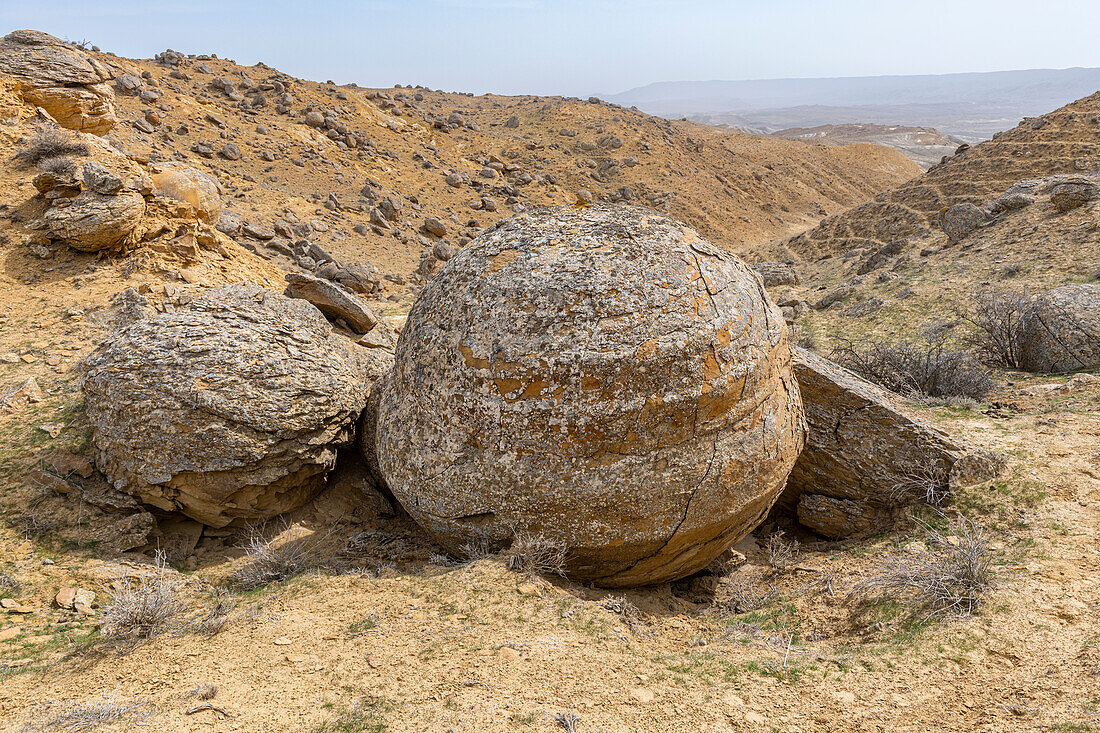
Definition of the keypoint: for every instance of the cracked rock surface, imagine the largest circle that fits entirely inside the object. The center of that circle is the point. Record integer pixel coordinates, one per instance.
(232, 407)
(600, 375)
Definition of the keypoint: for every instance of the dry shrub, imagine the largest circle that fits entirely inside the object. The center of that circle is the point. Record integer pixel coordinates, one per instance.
(997, 318)
(951, 576)
(782, 553)
(535, 554)
(268, 561)
(927, 483)
(567, 721)
(9, 584)
(137, 612)
(628, 613)
(61, 167)
(47, 143)
(88, 716)
(928, 367)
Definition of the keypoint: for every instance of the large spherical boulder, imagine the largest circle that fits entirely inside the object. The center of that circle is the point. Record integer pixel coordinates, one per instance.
(231, 407)
(1061, 332)
(598, 375)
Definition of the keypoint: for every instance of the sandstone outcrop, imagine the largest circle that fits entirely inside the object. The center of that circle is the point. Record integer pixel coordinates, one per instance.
(333, 300)
(1061, 332)
(231, 407)
(866, 454)
(68, 83)
(600, 375)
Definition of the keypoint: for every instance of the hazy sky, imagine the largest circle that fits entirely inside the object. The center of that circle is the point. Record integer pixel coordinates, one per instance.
(584, 47)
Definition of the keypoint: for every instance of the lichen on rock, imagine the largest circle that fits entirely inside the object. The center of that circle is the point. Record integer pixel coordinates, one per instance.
(600, 375)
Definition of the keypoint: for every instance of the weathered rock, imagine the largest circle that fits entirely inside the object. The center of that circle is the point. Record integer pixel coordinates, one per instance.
(332, 300)
(435, 226)
(866, 453)
(1073, 192)
(94, 221)
(16, 398)
(777, 273)
(65, 81)
(231, 407)
(959, 220)
(603, 376)
(1061, 331)
(184, 183)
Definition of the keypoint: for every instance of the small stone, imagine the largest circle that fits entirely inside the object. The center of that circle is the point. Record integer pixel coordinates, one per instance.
(13, 606)
(282, 641)
(642, 695)
(508, 654)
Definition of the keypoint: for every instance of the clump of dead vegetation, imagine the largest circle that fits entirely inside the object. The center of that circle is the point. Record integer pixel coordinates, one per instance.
(997, 319)
(567, 721)
(629, 614)
(783, 553)
(951, 575)
(138, 611)
(269, 561)
(88, 715)
(535, 554)
(929, 367)
(48, 143)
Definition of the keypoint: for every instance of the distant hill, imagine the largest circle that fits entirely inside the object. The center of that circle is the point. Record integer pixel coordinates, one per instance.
(972, 106)
(925, 145)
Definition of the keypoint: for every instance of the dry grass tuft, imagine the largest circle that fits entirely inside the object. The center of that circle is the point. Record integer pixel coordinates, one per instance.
(477, 549)
(743, 597)
(137, 612)
(926, 483)
(535, 554)
(782, 553)
(216, 618)
(88, 716)
(270, 562)
(49, 143)
(951, 577)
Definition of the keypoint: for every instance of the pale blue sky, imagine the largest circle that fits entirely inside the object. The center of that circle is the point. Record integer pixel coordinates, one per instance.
(584, 47)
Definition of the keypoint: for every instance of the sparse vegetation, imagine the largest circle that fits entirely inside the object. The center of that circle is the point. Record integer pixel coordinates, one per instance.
(268, 561)
(139, 611)
(997, 319)
(535, 554)
(364, 717)
(782, 552)
(47, 143)
(567, 721)
(951, 576)
(925, 368)
(88, 716)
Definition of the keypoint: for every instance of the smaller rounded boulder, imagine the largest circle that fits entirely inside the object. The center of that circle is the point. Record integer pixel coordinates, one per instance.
(232, 407)
(184, 183)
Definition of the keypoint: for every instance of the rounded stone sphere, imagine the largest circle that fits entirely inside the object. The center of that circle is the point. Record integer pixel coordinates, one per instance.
(599, 375)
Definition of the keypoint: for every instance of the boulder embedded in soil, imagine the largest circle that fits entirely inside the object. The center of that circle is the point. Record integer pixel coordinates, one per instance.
(184, 183)
(93, 221)
(602, 376)
(866, 454)
(232, 407)
(1061, 331)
